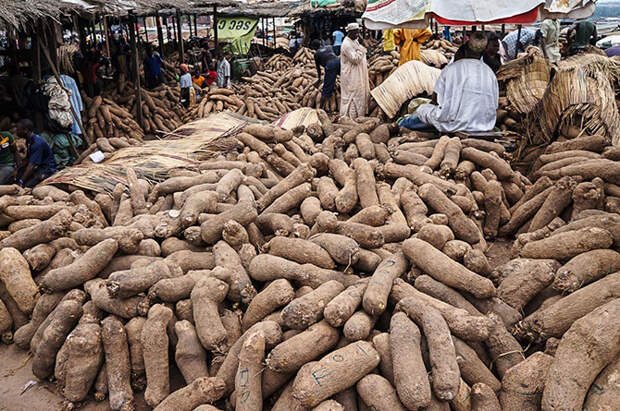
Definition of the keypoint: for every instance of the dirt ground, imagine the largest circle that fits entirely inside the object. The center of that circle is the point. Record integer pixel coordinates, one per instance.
(16, 375)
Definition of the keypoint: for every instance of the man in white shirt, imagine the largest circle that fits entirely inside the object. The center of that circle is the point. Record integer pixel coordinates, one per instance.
(466, 95)
(185, 83)
(223, 71)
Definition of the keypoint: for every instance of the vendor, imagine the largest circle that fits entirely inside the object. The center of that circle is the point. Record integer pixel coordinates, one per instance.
(39, 163)
(185, 83)
(152, 67)
(355, 88)
(338, 36)
(513, 44)
(327, 58)
(7, 156)
(585, 35)
(410, 42)
(197, 78)
(550, 29)
(223, 71)
(466, 95)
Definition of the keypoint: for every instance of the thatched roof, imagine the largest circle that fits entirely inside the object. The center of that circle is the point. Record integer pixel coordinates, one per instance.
(262, 9)
(341, 8)
(20, 13)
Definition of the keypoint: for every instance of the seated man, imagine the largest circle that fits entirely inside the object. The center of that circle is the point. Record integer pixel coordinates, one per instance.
(466, 95)
(39, 163)
(7, 156)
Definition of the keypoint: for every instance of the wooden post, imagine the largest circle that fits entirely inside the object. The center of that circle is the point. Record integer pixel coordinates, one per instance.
(273, 20)
(107, 35)
(134, 54)
(262, 20)
(160, 34)
(146, 32)
(196, 24)
(464, 33)
(180, 37)
(503, 29)
(518, 42)
(36, 57)
(79, 27)
(217, 45)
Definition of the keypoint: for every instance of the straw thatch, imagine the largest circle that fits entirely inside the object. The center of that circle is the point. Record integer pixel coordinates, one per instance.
(409, 80)
(261, 9)
(185, 148)
(526, 80)
(582, 94)
(18, 14)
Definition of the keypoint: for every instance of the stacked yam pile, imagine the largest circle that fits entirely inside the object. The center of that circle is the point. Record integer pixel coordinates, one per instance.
(310, 271)
(279, 62)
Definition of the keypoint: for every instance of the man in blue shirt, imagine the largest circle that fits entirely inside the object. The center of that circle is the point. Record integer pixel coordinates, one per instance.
(39, 161)
(338, 37)
(152, 67)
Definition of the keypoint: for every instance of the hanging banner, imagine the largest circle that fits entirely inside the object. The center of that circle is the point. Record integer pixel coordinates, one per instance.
(384, 14)
(238, 31)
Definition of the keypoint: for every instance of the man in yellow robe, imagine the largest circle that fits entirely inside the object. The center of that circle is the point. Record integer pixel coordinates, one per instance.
(410, 41)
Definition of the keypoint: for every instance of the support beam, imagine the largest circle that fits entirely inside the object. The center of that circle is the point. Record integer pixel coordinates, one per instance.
(180, 37)
(146, 32)
(196, 24)
(36, 57)
(274, 32)
(107, 35)
(136, 74)
(160, 34)
(518, 42)
(217, 43)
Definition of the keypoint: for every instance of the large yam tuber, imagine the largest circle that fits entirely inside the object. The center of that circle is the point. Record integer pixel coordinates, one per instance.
(154, 341)
(569, 244)
(15, 274)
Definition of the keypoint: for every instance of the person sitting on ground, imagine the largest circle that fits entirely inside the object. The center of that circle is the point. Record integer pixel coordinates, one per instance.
(39, 163)
(197, 78)
(185, 82)
(325, 57)
(223, 71)
(7, 156)
(466, 95)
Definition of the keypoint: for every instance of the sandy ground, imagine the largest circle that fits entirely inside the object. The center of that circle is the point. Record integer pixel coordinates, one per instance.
(16, 374)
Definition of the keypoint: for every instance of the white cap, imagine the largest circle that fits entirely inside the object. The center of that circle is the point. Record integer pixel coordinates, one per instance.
(352, 27)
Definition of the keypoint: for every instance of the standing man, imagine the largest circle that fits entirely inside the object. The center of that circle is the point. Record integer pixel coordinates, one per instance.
(325, 57)
(337, 37)
(585, 35)
(354, 72)
(223, 71)
(409, 41)
(388, 41)
(7, 156)
(39, 162)
(466, 94)
(550, 29)
(152, 68)
(185, 83)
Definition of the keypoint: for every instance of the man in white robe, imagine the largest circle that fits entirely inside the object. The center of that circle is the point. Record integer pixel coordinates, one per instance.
(355, 88)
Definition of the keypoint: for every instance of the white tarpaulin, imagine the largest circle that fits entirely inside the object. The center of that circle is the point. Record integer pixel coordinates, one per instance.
(571, 9)
(482, 11)
(385, 14)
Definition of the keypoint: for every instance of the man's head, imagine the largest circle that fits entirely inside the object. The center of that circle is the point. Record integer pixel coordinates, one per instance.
(493, 43)
(476, 45)
(220, 55)
(196, 71)
(353, 31)
(315, 44)
(184, 68)
(24, 128)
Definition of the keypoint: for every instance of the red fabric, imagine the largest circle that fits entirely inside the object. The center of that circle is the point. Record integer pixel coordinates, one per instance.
(210, 77)
(525, 18)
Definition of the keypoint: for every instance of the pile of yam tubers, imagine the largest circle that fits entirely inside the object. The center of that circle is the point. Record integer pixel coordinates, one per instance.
(338, 266)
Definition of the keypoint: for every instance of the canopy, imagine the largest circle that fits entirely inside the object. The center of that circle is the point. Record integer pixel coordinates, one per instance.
(384, 14)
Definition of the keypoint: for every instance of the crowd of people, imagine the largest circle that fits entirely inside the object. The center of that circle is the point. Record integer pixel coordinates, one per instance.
(466, 94)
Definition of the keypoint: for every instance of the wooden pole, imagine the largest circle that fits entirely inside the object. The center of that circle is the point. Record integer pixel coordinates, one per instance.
(107, 35)
(196, 24)
(77, 118)
(503, 28)
(134, 54)
(36, 57)
(273, 20)
(518, 42)
(217, 45)
(180, 37)
(160, 34)
(264, 32)
(146, 32)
